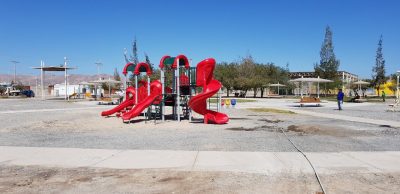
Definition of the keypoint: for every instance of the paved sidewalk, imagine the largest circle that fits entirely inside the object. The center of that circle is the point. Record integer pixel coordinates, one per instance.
(250, 162)
(49, 110)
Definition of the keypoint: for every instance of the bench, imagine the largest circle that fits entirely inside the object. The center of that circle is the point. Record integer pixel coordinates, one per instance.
(309, 100)
(74, 95)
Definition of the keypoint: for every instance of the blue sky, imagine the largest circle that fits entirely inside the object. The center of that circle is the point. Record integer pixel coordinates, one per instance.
(271, 31)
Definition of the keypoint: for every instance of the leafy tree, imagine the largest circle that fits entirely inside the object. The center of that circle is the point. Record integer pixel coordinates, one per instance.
(393, 79)
(328, 65)
(148, 61)
(246, 79)
(156, 72)
(378, 71)
(248, 75)
(226, 74)
(19, 86)
(105, 87)
(2, 90)
(116, 77)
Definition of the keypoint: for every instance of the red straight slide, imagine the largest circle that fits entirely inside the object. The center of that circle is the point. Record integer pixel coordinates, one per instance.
(129, 100)
(210, 86)
(155, 92)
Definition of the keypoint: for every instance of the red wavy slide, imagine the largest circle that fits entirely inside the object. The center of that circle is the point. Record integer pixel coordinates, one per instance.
(198, 103)
(155, 92)
(129, 100)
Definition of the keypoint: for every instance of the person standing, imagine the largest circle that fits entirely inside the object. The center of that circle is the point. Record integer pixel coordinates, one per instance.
(383, 96)
(340, 97)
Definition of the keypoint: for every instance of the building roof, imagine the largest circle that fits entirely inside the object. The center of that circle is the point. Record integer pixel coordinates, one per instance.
(310, 79)
(54, 68)
(312, 74)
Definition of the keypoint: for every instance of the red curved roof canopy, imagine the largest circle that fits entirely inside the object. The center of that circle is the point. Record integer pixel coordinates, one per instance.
(177, 60)
(128, 65)
(162, 61)
(142, 67)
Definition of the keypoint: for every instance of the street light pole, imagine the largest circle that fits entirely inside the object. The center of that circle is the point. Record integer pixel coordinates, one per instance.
(66, 79)
(15, 70)
(98, 64)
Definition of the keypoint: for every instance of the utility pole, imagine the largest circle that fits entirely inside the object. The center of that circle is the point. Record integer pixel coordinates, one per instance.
(66, 79)
(98, 64)
(15, 70)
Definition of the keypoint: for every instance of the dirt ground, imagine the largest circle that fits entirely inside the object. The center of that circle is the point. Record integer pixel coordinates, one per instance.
(326, 130)
(246, 131)
(32, 179)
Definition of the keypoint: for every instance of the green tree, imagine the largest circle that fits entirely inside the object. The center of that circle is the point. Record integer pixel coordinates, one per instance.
(148, 61)
(249, 75)
(2, 90)
(117, 77)
(19, 86)
(246, 78)
(105, 87)
(393, 79)
(378, 71)
(328, 65)
(226, 74)
(156, 72)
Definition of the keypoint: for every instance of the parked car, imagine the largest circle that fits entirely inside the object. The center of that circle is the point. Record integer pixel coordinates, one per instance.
(28, 93)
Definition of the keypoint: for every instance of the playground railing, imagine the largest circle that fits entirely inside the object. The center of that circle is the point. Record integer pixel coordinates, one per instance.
(156, 113)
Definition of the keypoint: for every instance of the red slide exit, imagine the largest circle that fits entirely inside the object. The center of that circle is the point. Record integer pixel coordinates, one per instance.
(129, 100)
(155, 92)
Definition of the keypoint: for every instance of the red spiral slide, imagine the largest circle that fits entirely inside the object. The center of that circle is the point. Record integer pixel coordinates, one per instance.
(198, 103)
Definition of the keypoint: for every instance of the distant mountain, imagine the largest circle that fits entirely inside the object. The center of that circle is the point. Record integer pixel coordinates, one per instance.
(51, 79)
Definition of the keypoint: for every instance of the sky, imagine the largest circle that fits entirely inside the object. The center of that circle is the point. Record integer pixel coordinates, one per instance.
(282, 32)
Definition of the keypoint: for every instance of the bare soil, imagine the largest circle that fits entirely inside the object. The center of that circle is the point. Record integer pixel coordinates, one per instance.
(32, 179)
(326, 130)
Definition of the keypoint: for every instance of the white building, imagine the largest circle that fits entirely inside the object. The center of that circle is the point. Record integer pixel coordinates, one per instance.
(59, 90)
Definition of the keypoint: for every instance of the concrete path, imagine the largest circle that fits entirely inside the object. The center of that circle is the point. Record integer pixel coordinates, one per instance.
(49, 110)
(250, 162)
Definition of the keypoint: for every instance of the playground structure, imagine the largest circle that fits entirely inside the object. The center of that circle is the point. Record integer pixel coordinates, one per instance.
(176, 88)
